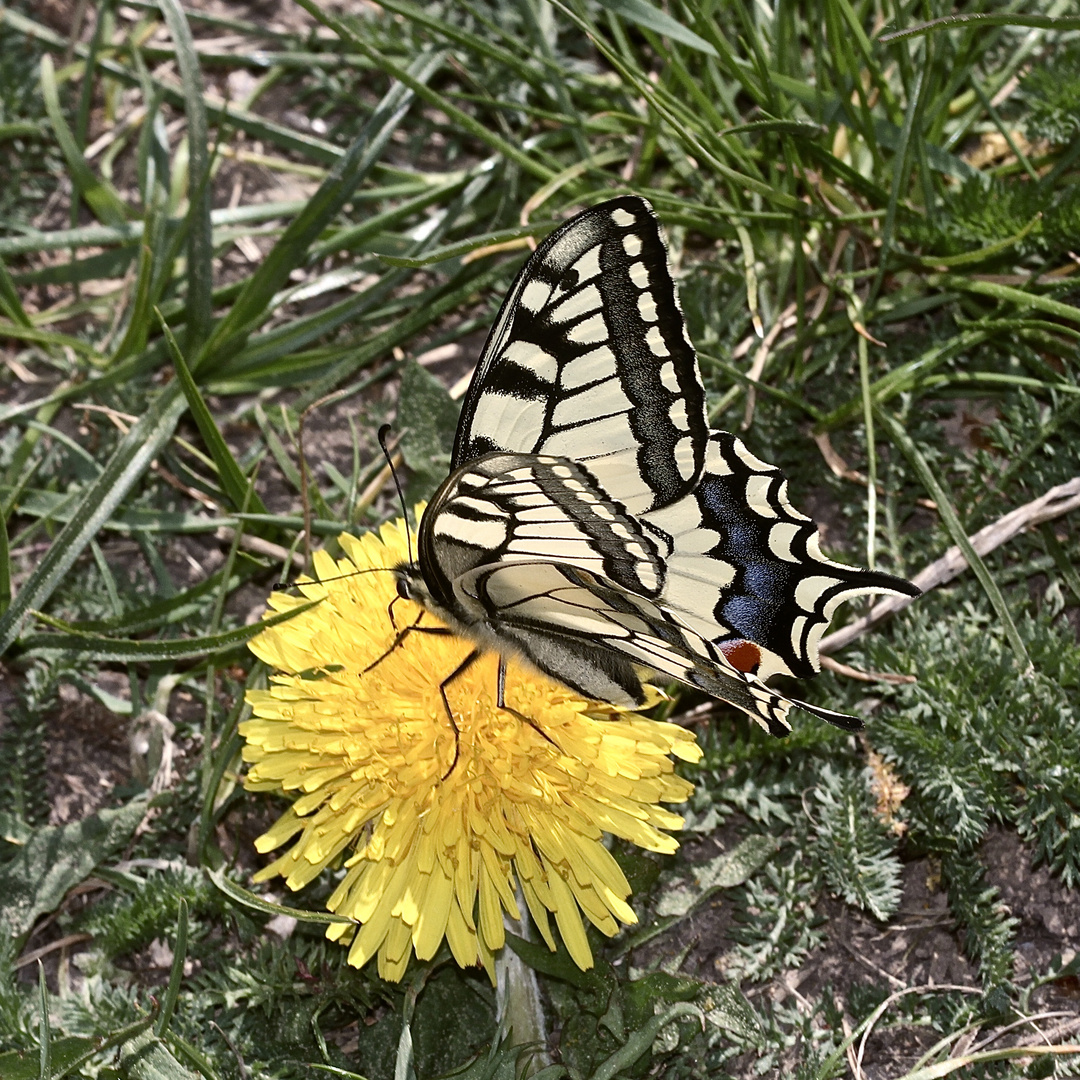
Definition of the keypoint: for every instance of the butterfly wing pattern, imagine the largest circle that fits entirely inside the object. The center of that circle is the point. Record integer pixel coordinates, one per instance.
(593, 523)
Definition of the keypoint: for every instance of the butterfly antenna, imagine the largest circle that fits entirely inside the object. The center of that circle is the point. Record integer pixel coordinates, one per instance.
(384, 431)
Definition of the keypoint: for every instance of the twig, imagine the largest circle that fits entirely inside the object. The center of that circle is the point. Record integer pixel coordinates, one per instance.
(994, 1036)
(1057, 501)
(259, 546)
(849, 672)
(785, 321)
(61, 943)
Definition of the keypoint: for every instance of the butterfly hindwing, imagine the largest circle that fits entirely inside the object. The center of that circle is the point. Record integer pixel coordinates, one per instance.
(742, 562)
(533, 555)
(597, 638)
(589, 360)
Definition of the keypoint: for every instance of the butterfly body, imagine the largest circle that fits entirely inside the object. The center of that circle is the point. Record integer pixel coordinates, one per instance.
(593, 523)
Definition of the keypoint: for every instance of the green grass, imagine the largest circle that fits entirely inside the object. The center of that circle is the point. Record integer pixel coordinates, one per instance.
(907, 206)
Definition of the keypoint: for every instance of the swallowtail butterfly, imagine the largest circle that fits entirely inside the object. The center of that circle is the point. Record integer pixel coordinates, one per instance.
(594, 524)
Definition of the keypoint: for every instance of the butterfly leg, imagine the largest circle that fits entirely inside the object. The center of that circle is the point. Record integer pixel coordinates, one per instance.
(402, 634)
(390, 610)
(459, 670)
(500, 700)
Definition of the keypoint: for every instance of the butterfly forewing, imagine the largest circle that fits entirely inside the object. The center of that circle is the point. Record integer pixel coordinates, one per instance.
(589, 360)
(594, 524)
(512, 508)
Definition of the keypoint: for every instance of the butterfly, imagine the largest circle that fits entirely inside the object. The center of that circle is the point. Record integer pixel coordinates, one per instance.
(594, 524)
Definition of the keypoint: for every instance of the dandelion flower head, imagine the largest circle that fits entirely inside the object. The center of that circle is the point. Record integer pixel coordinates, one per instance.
(436, 829)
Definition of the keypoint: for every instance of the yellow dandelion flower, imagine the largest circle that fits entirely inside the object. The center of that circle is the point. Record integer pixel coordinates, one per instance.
(437, 828)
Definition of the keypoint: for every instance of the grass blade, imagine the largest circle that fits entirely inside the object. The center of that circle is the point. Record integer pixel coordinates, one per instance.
(176, 973)
(652, 18)
(102, 649)
(101, 197)
(128, 463)
(290, 251)
(200, 270)
(240, 490)
(958, 533)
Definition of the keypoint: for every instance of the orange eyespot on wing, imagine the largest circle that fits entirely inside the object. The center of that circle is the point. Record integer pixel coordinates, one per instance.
(743, 655)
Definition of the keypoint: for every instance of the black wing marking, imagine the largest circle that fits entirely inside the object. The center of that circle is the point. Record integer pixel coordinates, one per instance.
(741, 560)
(589, 359)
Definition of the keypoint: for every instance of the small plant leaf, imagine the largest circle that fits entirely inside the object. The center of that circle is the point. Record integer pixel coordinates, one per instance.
(56, 858)
(652, 18)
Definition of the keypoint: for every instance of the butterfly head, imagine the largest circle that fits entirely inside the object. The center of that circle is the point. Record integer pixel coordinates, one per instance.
(410, 582)
(411, 585)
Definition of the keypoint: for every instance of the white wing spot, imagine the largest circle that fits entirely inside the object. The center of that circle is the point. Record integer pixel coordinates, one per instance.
(748, 459)
(527, 355)
(548, 512)
(564, 472)
(590, 331)
(535, 295)
(481, 506)
(655, 340)
(669, 377)
(782, 495)
(677, 414)
(533, 499)
(757, 490)
(809, 590)
(577, 304)
(639, 274)
(684, 458)
(622, 218)
(588, 266)
(632, 245)
(797, 628)
(556, 549)
(715, 462)
(813, 638)
(646, 306)
(589, 368)
(647, 576)
(781, 537)
(553, 527)
(482, 534)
